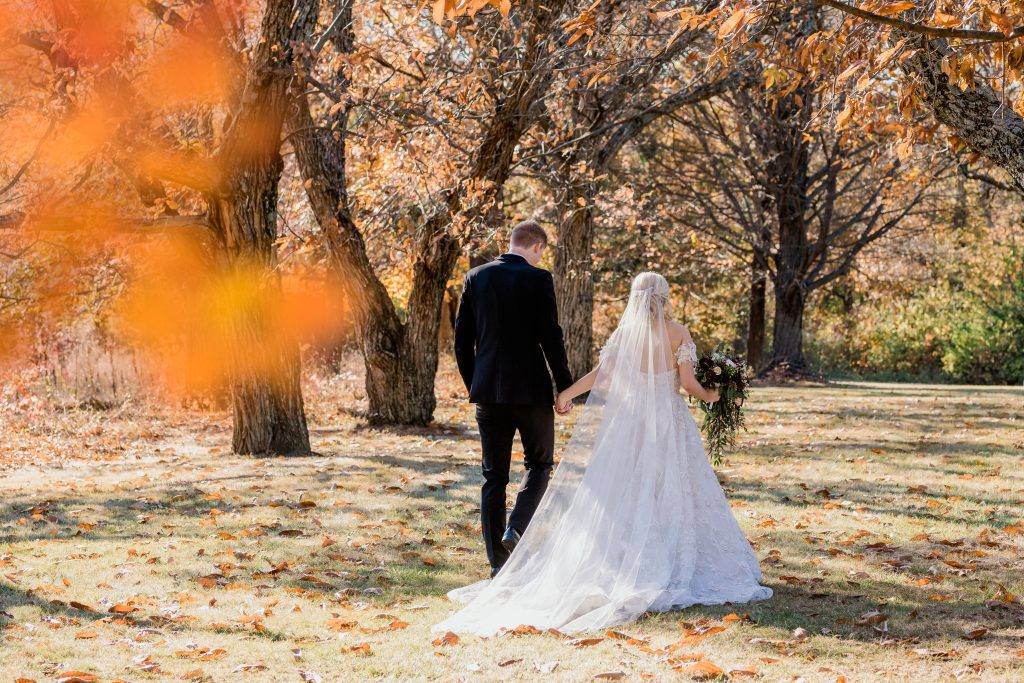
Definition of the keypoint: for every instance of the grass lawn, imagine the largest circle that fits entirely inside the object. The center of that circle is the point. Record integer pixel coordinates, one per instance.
(889, 520)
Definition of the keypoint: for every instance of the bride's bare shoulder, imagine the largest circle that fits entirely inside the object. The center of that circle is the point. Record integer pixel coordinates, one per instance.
(677, 333)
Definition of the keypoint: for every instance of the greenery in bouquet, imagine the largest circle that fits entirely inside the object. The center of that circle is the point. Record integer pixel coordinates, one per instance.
(724, 418)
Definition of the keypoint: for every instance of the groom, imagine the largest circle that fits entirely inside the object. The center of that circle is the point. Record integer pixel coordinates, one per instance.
(506, 327)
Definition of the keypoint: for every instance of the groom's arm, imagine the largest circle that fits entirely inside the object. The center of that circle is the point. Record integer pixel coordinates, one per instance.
(465, 336)
(551, 340)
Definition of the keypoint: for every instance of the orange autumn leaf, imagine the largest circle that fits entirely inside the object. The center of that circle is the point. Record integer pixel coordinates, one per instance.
(360, 649)
(76, 677)
(337, 624)
(122, 608)
(585, 642)
(732, 24)
(448, 638)
(701, 671)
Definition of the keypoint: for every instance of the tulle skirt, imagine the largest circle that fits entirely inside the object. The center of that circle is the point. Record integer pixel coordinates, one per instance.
(634, 521)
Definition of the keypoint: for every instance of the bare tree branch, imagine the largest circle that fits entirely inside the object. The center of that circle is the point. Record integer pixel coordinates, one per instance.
(924, 29)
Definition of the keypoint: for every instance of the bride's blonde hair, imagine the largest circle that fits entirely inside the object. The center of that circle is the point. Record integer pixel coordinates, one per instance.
(656, 285)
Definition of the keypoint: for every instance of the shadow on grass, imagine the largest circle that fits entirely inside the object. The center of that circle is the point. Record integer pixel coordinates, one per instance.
(879, 498)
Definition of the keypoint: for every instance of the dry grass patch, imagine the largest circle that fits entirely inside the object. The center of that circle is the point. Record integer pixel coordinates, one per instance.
(888, 519)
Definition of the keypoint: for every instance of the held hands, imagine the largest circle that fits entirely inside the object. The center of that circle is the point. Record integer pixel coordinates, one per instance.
(563, 404)
(713, 395)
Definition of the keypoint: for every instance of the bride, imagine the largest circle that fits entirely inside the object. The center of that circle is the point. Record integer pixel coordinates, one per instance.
(634, 519)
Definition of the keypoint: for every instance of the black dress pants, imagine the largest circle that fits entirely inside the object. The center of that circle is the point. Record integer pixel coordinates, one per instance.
(498, 425)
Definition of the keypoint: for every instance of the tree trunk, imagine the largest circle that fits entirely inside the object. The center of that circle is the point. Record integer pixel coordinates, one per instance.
(786, 181)
(266, 387)
(788, 330)
(265, 379)
(756, 318)
(574, 279)
(269, 416)
(401, 363)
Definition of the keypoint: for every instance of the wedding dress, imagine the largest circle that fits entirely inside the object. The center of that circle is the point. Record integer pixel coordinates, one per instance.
(634, 519)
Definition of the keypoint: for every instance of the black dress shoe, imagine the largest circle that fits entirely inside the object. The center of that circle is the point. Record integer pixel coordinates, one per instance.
(510, 539)
(494, 571)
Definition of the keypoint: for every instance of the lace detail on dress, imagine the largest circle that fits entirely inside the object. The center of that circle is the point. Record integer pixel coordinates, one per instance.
(687, 351)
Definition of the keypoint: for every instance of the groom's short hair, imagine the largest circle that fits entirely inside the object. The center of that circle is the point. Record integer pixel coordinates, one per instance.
(527, 234)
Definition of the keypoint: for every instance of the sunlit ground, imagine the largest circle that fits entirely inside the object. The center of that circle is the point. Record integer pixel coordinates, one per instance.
(889, 520)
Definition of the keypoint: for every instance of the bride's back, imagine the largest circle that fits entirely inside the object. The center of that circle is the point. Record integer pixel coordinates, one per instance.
(654, 344)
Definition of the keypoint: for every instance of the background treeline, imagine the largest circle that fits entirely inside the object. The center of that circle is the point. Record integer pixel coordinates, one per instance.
(249, 190)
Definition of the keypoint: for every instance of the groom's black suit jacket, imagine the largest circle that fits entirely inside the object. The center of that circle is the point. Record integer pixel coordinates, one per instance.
(506, 326)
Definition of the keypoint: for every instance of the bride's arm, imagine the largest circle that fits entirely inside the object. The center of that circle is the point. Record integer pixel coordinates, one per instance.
(689, 382)
(581, 386)
(686, 354)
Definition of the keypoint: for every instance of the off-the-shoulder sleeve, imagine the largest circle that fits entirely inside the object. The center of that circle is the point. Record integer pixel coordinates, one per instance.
(687, 351)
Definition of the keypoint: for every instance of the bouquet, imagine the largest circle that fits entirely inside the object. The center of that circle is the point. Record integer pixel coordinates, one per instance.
(724, 418)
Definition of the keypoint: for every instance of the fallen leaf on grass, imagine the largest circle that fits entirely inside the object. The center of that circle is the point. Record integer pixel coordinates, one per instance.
(85, 635)
(310, 677)
(509, 662)
(341, 625)
(585, 642)
(871, 618)
(203, 654)
(730, 618)
(360, 649)
(701, 671)
(694, 636)
(122, 608)
(242, 668)
(744, 672)
(447, 639)
(975, 633)
(76, 677)
(610, 675)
